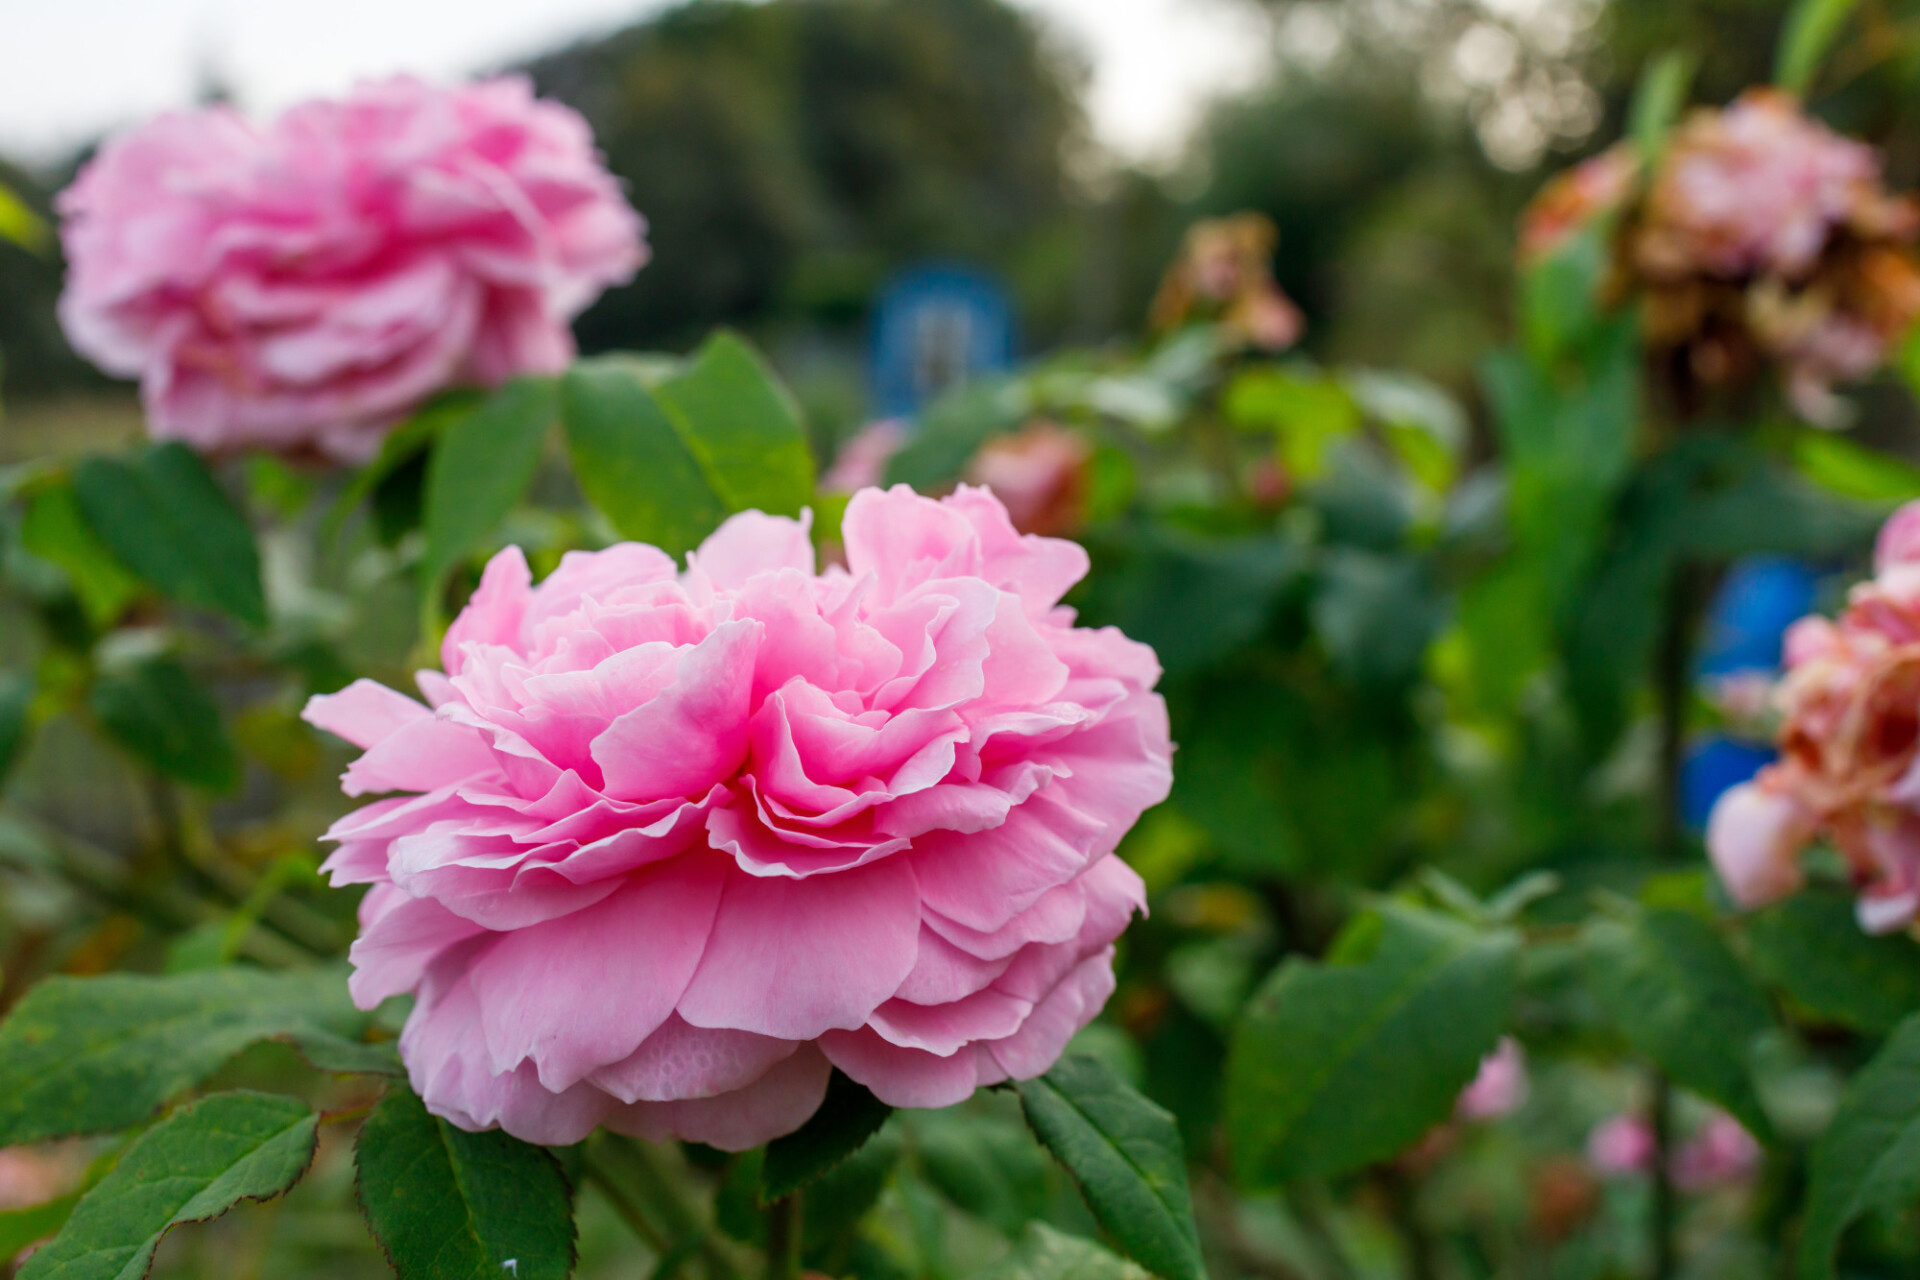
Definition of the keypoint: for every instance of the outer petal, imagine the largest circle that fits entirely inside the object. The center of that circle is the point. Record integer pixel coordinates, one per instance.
(774, 1105)
(494, 611)
(794, 958)
(1754, 836)
(400, 938)
(753, 542)
(584, 990)
(364, 713)
(681, 1061)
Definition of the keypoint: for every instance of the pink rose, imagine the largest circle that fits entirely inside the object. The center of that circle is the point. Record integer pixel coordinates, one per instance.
(1849, 737)
(1040, 473)
(1499, 1088)
(302, 285)
(1758, 186)
(1899, 540)
(1721, 1152)
(1621, 1145)
(674, 844)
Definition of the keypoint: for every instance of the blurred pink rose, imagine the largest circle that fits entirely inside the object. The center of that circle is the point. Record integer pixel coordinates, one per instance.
(1849, 767)
(1573, 200)
(300, 286)
(862, 459)
(1499, 1088)
(1719, 1152)
(1757, 187)
(1040, 473)
(678, 842)
(1621, 1145)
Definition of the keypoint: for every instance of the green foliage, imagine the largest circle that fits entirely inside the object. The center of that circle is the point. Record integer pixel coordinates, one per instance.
(1869, 1157)
(848, 1117)
(22, 1227)
(1812, 27)
(1125, 1154)
(196, 1164)
(53, 528)
(481, 464)
(633, 461)
(153, 708)
(1338, 1064)
(743, 427)
(88, 1055)
(446, 1204)
(1043, 1253)
(161, 512)
(983, 1164)
(16, 700)
(1811, 946)
(1669, 984)
(1658, 101)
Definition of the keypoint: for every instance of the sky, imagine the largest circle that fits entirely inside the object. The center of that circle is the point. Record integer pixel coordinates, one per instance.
(72, 69)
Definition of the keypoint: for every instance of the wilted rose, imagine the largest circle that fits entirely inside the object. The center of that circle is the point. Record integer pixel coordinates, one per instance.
(300, 286)
(675, 843)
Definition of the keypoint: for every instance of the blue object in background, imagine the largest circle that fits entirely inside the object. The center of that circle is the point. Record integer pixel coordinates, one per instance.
(935, 326)
(1713, 766)
(1760, 597)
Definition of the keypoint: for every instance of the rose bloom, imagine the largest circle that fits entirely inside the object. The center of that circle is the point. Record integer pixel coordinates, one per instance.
(1575, 199)
(300, 286)
(1849, 768)
(1760, 187)
(1499, 1088)
(1719, 1153)
(1040, 473)
(1224, 273)
(673, 844)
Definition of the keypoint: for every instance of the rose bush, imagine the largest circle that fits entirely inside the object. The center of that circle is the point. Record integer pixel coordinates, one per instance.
(680, 841)
(301, 286)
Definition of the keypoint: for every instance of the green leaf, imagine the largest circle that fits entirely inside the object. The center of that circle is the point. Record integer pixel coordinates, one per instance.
(154, 709)
(632, 459)
(846, 1119)
(403, 445)
(743, 426)
(1811, 946)
(53, 528)
(166, 518)
(953, 427)
(1305, 411)
(1853, 470)
(1125, 1154)
(16, 700)
(195, 1165)
(22, 1227)
(1810, 31)
(1657, 101)
(453, 1205)
(1046, 1254)
(87, 1055)
(1339, 1064)
(24, 227)
(481, 465)
(1670, 985)
(987, 1164)
(1869, 1157)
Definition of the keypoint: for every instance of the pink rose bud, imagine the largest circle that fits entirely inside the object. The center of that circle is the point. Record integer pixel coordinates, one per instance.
(1499, 1088)
(300, 286)
(1622, 1145)
(1722, 1152)
(665, 847)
